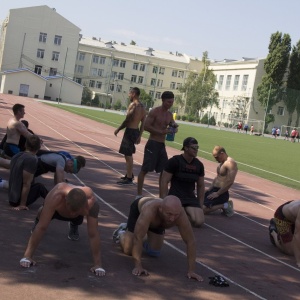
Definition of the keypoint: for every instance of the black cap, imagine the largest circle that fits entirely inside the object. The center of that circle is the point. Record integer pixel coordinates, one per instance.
(189, 141)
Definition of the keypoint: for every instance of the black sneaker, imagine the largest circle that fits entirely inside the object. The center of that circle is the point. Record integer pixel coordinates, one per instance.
(125, 177)
(126, 181)
(34, 225)
(73, 232)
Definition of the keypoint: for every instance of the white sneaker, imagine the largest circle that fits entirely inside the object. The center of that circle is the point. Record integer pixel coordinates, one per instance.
(116, 234)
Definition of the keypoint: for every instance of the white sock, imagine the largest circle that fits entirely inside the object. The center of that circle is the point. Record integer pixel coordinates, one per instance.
(225, 205)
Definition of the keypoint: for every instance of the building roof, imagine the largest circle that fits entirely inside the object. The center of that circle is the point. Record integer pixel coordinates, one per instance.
(22, 70)
(134, 49)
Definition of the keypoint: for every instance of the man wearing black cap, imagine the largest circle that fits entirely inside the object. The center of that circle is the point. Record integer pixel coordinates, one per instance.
(184, 171)
(158, 124)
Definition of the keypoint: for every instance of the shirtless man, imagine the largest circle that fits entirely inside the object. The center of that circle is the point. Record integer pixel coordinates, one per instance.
(217, 196)
(68, 203)
(149, 217)
(136, 115)
(15, 128)
(158, 123)
(284, 229)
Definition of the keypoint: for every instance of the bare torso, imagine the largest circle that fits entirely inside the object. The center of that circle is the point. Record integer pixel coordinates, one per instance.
(226, 173)
(139, 114)
(13, 131)
(291, 210)
(157, 123)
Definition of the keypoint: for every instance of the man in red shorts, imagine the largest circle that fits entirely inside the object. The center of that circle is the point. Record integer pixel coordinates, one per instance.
(284, 229)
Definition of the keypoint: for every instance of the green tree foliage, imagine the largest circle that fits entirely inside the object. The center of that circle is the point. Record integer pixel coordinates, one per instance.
(146, 99)
(292, 96)
(270, 90)
(199, 89)
(117, 105)
(96, 100)
(86, 95)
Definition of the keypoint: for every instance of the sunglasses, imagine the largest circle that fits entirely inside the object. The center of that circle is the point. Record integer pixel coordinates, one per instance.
(194, 147)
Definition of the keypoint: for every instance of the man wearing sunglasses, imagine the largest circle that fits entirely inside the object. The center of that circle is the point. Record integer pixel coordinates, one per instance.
(217, 196)
(184, 172)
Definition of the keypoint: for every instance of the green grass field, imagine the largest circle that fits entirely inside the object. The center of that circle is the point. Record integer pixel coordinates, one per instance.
(276, 160)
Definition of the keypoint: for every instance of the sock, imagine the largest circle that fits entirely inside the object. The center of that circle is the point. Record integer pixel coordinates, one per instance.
(225, 205)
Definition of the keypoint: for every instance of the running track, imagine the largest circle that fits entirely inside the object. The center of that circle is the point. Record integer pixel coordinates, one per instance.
(237, 248)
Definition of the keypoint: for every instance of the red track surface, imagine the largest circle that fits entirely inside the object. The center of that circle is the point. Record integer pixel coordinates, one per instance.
(238, 248)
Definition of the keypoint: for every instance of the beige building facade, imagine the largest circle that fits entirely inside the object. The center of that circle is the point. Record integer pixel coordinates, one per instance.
(110, 69)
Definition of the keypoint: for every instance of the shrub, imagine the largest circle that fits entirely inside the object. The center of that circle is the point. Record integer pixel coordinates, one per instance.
(184, 118)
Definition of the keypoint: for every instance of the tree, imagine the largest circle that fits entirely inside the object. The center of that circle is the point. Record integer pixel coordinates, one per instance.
(146, 99)
(132, 42)
(270, 90)
(96, 100)
(199, 89)
(86, 95)
(292, 96)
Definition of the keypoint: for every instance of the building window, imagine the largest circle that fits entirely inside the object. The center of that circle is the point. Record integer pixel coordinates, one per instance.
(115, 62)
(114, 75)
(141, 79)
(142, 67)
(178, 86)
(121, 76)
(81, 56)
(245, 82)
(94, 72)
(159, 82)
(57, 39)
(119, 88)
(79, 69)
(40, 53)
(236, 82)
(161, 71)
(95, 59)
(180, 74)
(151, 93)
(122, 64)
(55, 55)
(92, 83)
(43, 37)
(174, 73)
(280, 111)
(220, 83)
(153, 81)
(133, 78)
(111, 87)
(158, 95)
(228, 82)
(172, 85)
(102, 60)
(38, 69)
(98, 84)
(135, 66)
(155, 69)
(100, 72)
(53, 71)
(78, 80)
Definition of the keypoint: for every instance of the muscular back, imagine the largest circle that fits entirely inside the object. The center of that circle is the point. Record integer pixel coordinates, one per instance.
(136, 113)
(291, 210)
(14, 130)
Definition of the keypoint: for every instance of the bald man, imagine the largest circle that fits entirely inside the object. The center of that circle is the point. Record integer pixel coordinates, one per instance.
(145, 229)
(68, 203)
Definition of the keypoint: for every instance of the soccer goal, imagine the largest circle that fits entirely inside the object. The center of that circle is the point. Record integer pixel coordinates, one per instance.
(257, 124)
(286, 130)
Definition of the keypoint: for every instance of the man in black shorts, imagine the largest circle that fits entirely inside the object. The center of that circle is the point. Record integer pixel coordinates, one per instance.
(149, 217)
(184, 172)
(158, 124)
(136, 115)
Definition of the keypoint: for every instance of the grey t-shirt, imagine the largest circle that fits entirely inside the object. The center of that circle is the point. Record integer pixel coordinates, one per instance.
(21, 161)
(54, 160)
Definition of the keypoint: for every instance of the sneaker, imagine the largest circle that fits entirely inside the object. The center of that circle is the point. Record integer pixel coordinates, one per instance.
(73, 232)
(116, 234)
(229, 212)
(34, 224)
(126, 181)
(125, 177)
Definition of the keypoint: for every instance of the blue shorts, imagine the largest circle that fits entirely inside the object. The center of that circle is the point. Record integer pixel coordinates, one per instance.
(11, 149)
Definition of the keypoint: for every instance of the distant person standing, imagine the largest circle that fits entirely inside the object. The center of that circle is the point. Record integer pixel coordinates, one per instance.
(136, 115)
(185, 172)
(217, 196)
(278, 132)
(15, 128)
(246, 128)
(273, 131)
(252, 129)
(286, 135)
(157, 123)
(294, 134)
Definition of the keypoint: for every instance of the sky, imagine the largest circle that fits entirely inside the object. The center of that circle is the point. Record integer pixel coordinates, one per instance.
(229, 29)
